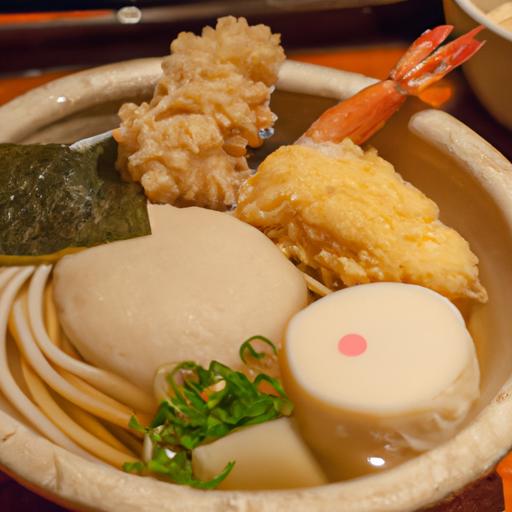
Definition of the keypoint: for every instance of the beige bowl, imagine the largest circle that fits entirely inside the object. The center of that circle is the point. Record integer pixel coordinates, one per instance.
(489, 72)
(470, 181)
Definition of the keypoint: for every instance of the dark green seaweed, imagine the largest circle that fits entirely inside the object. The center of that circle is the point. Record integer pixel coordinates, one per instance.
(53, 198)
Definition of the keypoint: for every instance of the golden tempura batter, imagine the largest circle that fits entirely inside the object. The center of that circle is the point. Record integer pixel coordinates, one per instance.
(348, 214)
(188, 144)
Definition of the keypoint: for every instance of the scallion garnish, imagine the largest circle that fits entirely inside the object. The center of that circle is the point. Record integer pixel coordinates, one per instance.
(247, 347)
(206, 404)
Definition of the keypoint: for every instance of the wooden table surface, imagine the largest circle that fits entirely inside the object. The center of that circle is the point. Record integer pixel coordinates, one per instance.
(372, 61)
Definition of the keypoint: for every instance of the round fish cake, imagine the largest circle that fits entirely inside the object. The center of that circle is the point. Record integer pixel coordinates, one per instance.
(377, 373)
(195, 289)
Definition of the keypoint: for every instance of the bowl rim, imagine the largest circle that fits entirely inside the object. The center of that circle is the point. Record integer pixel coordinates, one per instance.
(477, 14)
(423, 480)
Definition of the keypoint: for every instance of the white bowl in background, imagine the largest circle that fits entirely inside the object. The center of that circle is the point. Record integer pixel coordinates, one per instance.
(490, 71)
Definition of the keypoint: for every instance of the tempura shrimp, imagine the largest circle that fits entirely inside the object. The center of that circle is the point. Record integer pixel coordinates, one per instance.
(344, 214)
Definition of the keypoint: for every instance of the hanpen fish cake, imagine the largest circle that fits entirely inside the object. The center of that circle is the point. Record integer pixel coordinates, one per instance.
(346, 213)
(201, 283)
(378, 373)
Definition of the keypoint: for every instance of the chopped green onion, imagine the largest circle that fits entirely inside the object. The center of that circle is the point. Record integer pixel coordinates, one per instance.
(207, 404)
(247, 347)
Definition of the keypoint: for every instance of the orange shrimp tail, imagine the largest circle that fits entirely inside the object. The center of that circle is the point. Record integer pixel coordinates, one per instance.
(441, 62)
(420, 50)
(362, 115)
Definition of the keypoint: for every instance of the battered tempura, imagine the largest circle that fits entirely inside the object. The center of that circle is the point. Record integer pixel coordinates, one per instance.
(347, 214)
(188, 145)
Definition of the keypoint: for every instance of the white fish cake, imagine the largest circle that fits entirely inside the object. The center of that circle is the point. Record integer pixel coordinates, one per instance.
(379, 372)
(270, 455)
(195, 289)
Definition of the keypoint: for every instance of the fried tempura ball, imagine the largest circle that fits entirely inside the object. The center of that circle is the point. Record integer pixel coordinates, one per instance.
(349, 215)
(188, 144)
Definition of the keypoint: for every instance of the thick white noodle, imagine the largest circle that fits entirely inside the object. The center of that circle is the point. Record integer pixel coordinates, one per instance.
(93, 425)
(126, 438)
(13, 279)
(160, 383)
(316, 286)
(34, 356)
(6, 274)
(75, 431)
(109, 383)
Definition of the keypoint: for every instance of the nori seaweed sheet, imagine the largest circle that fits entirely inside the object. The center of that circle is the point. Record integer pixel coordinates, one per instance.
(52, 198)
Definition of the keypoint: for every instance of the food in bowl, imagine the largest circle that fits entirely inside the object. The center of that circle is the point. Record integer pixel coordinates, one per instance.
(182, 305)
(348, 216)
(208, 400)
(94, 205)
(189, 143)
(370, 393)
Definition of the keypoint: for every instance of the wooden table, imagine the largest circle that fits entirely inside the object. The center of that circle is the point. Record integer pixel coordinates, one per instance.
(372, 61)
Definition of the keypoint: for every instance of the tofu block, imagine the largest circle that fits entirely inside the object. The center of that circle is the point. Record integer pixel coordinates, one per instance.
(378, 373)
(268, 456)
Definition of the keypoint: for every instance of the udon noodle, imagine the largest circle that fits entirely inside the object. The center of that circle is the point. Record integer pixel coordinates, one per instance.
(77, 406)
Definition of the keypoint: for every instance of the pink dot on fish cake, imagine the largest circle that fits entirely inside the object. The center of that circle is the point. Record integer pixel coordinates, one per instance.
(352, 345)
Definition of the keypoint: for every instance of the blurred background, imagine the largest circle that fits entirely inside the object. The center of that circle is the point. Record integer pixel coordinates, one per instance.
(41, 41)
(85, 33)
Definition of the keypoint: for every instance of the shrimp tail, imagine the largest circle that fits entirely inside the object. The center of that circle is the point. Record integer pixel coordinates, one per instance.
(423, 64)
(420, 50)
(419, 67)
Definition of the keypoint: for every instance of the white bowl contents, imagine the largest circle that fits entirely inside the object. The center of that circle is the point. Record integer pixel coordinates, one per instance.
(379, 361)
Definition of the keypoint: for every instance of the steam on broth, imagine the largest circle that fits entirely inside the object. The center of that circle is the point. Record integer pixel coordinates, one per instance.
(133, 352)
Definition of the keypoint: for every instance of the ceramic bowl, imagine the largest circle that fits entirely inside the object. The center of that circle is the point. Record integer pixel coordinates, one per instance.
(467, 177)
(489, 72)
